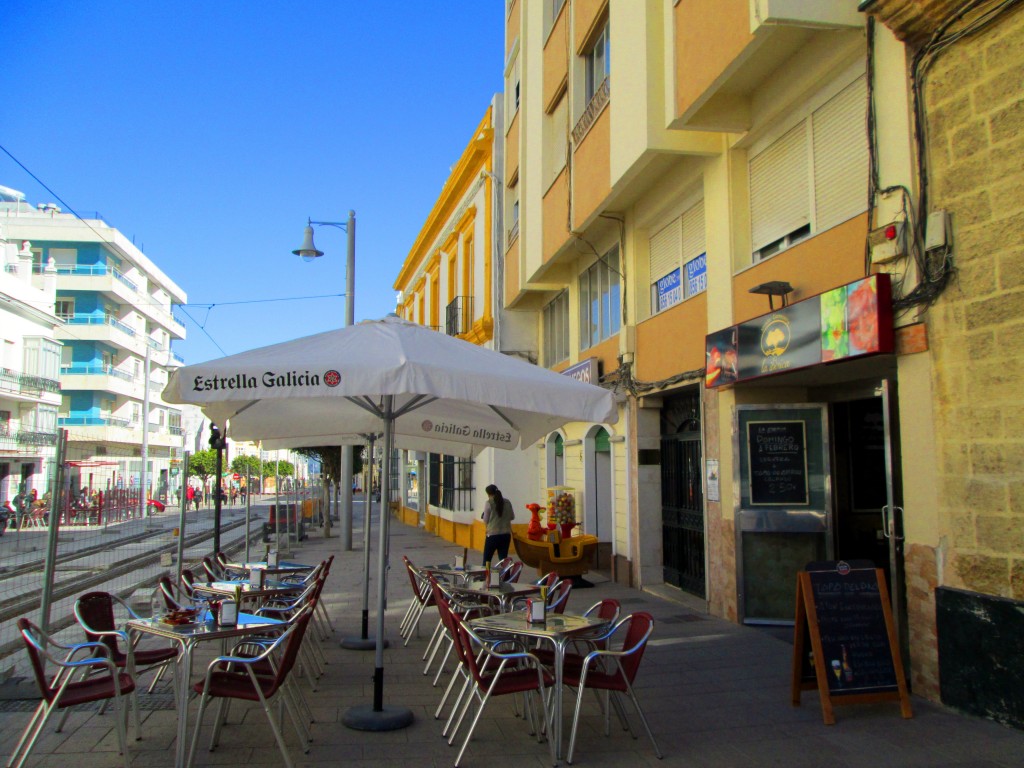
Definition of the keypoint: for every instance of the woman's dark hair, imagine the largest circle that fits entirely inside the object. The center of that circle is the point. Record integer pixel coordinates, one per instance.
(497, 500)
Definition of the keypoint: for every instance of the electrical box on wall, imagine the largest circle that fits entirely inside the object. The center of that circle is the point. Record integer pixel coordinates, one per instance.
(888, 242)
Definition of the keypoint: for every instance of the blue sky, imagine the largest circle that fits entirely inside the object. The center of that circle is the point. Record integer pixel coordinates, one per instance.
(210, 131)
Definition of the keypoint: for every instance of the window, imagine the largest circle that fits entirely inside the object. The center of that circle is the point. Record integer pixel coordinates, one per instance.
(451, 482)
(512, 84)
(600, 300)
(553, 8)
(597, 64)
(813, 177)
(556, 330)
(64, 308)
(556, 141)
(42, 358)
(678, 261)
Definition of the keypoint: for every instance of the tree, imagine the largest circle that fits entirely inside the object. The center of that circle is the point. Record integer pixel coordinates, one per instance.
(202, 464)
(250, 465)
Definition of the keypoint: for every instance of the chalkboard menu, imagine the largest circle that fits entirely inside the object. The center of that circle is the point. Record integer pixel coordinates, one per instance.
(843, 613)
(777, 462)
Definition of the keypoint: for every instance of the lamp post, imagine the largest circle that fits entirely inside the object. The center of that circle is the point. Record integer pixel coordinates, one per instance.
(308, 251)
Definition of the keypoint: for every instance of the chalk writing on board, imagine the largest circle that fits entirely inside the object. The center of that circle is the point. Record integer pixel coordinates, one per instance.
(777, 462)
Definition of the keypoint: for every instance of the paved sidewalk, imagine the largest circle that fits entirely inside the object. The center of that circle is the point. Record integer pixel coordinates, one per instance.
(716, 694)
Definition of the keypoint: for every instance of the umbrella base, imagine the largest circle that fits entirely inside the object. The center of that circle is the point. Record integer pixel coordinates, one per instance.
(365, 718)
(361, 643)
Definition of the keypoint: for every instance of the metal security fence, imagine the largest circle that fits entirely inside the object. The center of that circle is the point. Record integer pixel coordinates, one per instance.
(68, 541)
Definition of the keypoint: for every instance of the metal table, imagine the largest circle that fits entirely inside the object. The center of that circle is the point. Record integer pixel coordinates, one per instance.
(558, 629)
(188, 636)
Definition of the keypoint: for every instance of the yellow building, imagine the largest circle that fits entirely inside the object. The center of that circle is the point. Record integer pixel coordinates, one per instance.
(720, 209)
(451, 281)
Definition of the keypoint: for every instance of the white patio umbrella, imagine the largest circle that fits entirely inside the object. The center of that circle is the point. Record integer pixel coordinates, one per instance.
(398, 378)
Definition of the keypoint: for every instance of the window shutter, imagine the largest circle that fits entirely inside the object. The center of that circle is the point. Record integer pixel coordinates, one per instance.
(840, 157)
(665, 250)
(779, 194)
(694, 243)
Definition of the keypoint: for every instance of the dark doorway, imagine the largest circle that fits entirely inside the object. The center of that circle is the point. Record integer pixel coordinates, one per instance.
(682, 495)
(860, 482)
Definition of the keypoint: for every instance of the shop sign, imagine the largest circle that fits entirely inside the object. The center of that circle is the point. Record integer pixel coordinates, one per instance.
(585, 371)
(849, 321)
(697, 275)
(669, 290)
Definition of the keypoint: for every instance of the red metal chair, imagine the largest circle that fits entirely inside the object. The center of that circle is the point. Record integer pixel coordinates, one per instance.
(613, 671)
(173, 597)
(511, 574)
(62, 691)
(422, 598)
(95, 613)
(213, 571)
(496, 673)
(188, 582)
(238, 677)
(559, 598)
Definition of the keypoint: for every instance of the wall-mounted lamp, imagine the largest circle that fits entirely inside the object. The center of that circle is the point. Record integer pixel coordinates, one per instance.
(772, 289)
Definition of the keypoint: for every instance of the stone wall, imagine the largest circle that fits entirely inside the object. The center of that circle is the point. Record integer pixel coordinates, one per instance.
(975, 107)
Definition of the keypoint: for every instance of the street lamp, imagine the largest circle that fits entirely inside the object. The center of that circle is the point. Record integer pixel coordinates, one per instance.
(308, 251)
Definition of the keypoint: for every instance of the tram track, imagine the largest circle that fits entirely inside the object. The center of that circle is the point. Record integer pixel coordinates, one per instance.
(12, 608)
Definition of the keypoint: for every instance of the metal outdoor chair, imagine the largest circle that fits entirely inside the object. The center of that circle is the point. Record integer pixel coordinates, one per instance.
(497, 673)
(63, 691)
(238, 677)
(613, 671)
(95, 613)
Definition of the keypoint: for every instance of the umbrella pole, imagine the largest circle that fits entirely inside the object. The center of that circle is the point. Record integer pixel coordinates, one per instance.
(364, 642)
(379, 717)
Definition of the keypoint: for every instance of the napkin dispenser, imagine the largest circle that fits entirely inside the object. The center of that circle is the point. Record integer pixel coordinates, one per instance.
(228, 615)
(272, 558)
(256, 577)
(460, 562)
(536, 611)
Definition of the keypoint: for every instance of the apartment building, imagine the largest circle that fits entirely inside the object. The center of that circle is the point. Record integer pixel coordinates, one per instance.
(452, 282)
(117, 325)
(29, 367)
(722, 209)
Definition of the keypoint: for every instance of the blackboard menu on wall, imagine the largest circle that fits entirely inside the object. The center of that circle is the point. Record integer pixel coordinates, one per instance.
(777, 461)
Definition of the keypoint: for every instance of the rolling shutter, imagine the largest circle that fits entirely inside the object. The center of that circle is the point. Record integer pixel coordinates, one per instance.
(779, 194)
(840, 157)
(665, 247)
(694, 241)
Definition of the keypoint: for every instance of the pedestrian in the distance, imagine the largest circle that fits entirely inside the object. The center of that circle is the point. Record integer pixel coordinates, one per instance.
(498, 515)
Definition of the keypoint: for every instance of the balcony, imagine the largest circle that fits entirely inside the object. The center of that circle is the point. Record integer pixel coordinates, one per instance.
(105, 328)
(458, 316)
(97, 277)
(105, 378)
(729, 52)
(25, 385)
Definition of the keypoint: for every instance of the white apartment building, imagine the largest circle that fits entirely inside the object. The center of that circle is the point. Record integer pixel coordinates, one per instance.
(29, 367)
(117, 326)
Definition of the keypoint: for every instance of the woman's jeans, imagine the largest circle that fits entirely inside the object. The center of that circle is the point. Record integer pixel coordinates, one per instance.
(497, 543)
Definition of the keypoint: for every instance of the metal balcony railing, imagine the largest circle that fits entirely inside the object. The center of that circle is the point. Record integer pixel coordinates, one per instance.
(26, 383)
(26, 437)
(100, 320)
(458, 316)
(97, 369)
(597, 102)
(93, 421)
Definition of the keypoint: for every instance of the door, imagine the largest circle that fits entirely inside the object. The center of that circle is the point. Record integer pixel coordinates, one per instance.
(682, 494)
(783, 520)
(868, 490)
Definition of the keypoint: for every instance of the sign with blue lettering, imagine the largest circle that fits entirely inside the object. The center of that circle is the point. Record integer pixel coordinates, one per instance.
(669, 290)
(697, 275)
